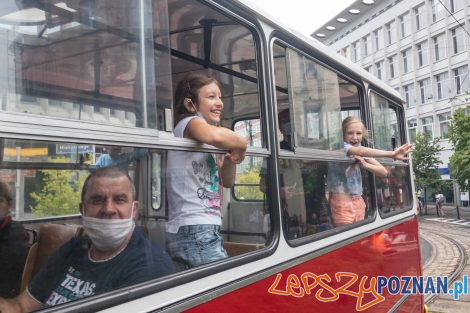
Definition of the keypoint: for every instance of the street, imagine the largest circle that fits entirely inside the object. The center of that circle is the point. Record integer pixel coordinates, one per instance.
(445, 243)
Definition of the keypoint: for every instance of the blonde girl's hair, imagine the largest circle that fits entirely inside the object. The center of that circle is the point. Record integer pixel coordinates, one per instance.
(354, 119)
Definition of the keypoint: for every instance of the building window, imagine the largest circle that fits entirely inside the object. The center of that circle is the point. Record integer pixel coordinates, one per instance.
(379, 38)
(458, 39)
(405, 25)
(439, 47)
(442, 84)
(392, 66)
(412, 125)
(366, 45)
(424, 90)
(456, 5)
(407, 60)
(391, 33)
(444, 124)
(437, 11)
(423, 52)
(427, 124)
(420, 17)
(409, 95)
(354, 52)
(461, 80)
(378, 69)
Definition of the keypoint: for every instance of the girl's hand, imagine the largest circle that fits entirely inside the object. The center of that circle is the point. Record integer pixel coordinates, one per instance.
(236, 156)
(401, 153)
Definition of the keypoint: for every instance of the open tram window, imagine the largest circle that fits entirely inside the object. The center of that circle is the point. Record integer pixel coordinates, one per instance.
(320, 188)
(394, 193)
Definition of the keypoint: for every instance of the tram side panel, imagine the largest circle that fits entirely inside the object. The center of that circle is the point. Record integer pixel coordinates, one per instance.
(391, 252)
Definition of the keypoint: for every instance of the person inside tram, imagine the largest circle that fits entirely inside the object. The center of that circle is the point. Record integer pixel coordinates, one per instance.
(114, 252)
(344, 180)
(291, 183)
(115, 157)
(194, 178)
(285, 128)
(14, 245)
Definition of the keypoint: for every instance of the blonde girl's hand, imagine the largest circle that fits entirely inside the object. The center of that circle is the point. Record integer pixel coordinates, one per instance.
(401, 153)
(359, 159)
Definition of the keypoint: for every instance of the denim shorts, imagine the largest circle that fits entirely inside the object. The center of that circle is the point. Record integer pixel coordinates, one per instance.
(194, 245)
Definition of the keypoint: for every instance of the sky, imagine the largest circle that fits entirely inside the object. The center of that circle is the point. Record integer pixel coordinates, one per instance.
(305, 16)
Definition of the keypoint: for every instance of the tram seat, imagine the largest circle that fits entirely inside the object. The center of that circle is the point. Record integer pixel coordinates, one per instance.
(236, 248)
(50, 237)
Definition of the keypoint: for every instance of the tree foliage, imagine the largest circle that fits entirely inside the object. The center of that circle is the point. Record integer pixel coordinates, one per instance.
(459, 136)
(60, 194)
(249, 188)
(426, 162)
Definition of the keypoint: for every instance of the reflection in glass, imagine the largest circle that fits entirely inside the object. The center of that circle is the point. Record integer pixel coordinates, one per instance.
(75, 60)
(394, 192)
(306, 196)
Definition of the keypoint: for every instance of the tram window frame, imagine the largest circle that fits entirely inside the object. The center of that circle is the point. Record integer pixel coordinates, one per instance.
(404, 195)
(106, 134)
(313, 154)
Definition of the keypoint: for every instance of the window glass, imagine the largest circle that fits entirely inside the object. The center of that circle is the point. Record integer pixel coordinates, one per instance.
(382, 116)
(192, 181)
(79, 60)
(444, 124)
(313, 101)
(394, 193)
(251, 130)
(312, 196)
(412, 126)
(427, 123)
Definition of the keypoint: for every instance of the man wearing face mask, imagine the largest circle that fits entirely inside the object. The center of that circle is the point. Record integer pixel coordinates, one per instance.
(118, 254)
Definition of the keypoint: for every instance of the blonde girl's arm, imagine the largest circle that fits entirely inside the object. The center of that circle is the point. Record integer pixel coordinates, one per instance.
(400, 153)
(373, 166)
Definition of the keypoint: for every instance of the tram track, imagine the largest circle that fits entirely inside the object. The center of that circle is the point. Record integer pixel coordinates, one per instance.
(449, 257)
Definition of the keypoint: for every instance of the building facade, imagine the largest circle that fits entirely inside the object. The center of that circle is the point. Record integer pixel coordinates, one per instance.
(419, 47)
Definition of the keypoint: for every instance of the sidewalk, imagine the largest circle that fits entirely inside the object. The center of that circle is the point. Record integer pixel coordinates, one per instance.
(450, 212)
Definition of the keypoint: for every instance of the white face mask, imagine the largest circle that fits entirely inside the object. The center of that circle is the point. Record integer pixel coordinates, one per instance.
(108, 234)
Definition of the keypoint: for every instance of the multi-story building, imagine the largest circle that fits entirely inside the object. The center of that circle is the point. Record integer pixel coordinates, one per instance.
(419, 47)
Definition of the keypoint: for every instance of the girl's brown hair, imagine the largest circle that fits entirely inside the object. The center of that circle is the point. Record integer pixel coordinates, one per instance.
(354, 119)
(189, 87)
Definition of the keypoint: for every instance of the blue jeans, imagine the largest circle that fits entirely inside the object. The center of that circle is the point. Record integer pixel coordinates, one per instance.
(194, 245)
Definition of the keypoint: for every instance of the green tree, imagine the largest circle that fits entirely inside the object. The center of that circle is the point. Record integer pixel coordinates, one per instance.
(60, 194)
(248, 186)
(426, 162)
(459, 136)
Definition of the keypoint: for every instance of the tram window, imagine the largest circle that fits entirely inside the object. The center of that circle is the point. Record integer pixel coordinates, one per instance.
(394, 193)
(251, 130)
(156, 181)
(315, 96)
(246, 221)
(82, 60)
(229, 54)
(387, 135)
(248, 185)
(306, 201)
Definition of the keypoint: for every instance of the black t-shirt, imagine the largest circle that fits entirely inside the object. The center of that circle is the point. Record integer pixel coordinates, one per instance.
(13, 251)
(70, 274)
